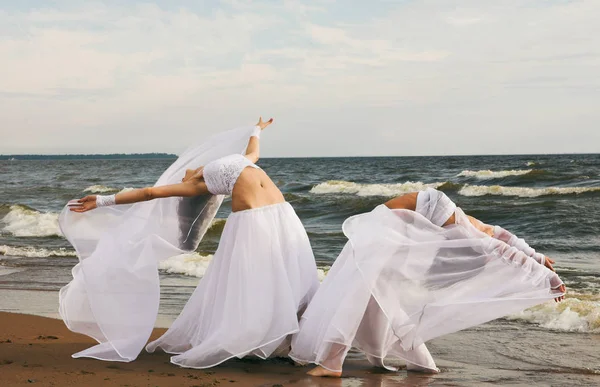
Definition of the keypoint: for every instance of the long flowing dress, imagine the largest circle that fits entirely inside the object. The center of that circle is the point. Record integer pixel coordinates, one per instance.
(402, 280)
(260, 280)
(115, 291)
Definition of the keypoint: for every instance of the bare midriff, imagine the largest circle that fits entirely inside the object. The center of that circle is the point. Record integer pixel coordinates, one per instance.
(254, 189)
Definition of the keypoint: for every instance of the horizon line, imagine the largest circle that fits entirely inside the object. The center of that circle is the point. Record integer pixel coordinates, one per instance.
(165, 155)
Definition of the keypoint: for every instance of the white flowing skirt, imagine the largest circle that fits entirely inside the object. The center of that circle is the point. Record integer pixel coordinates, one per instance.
(260, 280)
(401, 281)
(115, 291)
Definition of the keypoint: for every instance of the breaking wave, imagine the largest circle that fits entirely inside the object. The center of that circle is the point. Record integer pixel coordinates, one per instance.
(523, 192)
(577, 313)
(348, 187)
(100, 189)
(23, 221)
(29, 251)
(487, 174)
(195, 265)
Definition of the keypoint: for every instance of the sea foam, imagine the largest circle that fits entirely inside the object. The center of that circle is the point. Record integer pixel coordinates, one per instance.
(523, 192)
(487, 174)
(104, 189)
(100, 189)
(348, 187)
(195, 265)
(577, 313)
(29, 251)
(23, 221)
(192, 264)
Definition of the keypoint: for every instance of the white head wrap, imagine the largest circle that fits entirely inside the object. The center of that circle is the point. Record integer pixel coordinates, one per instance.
(435, 206)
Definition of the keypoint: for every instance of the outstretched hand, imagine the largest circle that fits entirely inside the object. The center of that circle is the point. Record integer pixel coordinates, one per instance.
(262, 124)
(563, 289)
(84, 204)
(548, 263)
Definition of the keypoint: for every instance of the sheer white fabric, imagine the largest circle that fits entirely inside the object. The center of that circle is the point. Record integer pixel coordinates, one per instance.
(401, 281)
(261, 278)
(435, 206)
(519, 243)
(114, 294)
(220, 175)
(257, 131)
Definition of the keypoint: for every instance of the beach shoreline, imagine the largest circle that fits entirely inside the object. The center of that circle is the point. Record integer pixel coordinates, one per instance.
(37, 350)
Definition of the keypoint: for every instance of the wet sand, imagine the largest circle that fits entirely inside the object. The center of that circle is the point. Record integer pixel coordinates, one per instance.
(37, 350)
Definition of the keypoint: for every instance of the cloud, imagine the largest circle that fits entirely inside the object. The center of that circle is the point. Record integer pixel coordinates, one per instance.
(154, 76)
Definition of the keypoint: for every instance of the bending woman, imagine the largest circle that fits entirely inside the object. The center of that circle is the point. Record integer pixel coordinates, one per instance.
(262, 275)
(415, 269)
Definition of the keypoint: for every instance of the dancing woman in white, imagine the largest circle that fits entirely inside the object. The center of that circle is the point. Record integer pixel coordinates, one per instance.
(261, 278)
(414, 269)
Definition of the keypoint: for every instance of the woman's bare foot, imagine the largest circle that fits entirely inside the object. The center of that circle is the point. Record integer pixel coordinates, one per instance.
(320, 371)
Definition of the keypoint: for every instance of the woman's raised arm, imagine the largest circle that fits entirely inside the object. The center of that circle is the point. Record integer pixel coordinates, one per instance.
(253, 148)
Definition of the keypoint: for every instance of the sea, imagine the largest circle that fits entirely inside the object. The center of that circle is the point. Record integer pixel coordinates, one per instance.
(552, 201)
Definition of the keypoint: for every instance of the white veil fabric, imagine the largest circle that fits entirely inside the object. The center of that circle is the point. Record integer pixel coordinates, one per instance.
(435, 206)
(402, 280)
(115, 291)
(431, 281)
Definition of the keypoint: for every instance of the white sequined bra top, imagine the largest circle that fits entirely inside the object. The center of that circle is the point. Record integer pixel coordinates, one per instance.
(221, 174)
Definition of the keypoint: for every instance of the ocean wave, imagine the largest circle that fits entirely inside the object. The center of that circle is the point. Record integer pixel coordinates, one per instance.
(523, 192)
(217, 224)
(9, 270)
(322, 272)
(531, 163)
(577, 313)
(195, 265)
(487, 174)
(100, 189)
(192, 264)
(96, 189)
(23, 221)
(29, 251)
(348, 187)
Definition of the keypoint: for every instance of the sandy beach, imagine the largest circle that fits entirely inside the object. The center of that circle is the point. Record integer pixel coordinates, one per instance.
(37, 350)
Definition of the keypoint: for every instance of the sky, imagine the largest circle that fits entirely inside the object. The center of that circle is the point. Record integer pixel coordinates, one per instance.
(340, 78)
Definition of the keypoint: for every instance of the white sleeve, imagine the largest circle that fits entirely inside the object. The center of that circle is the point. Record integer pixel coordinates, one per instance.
(518, 243)
(256, 132)
(104, 201)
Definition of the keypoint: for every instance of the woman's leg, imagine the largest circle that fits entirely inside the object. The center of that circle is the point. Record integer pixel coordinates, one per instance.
(335, 359)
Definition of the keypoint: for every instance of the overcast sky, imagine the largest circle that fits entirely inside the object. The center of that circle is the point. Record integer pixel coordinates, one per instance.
(339, 77)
